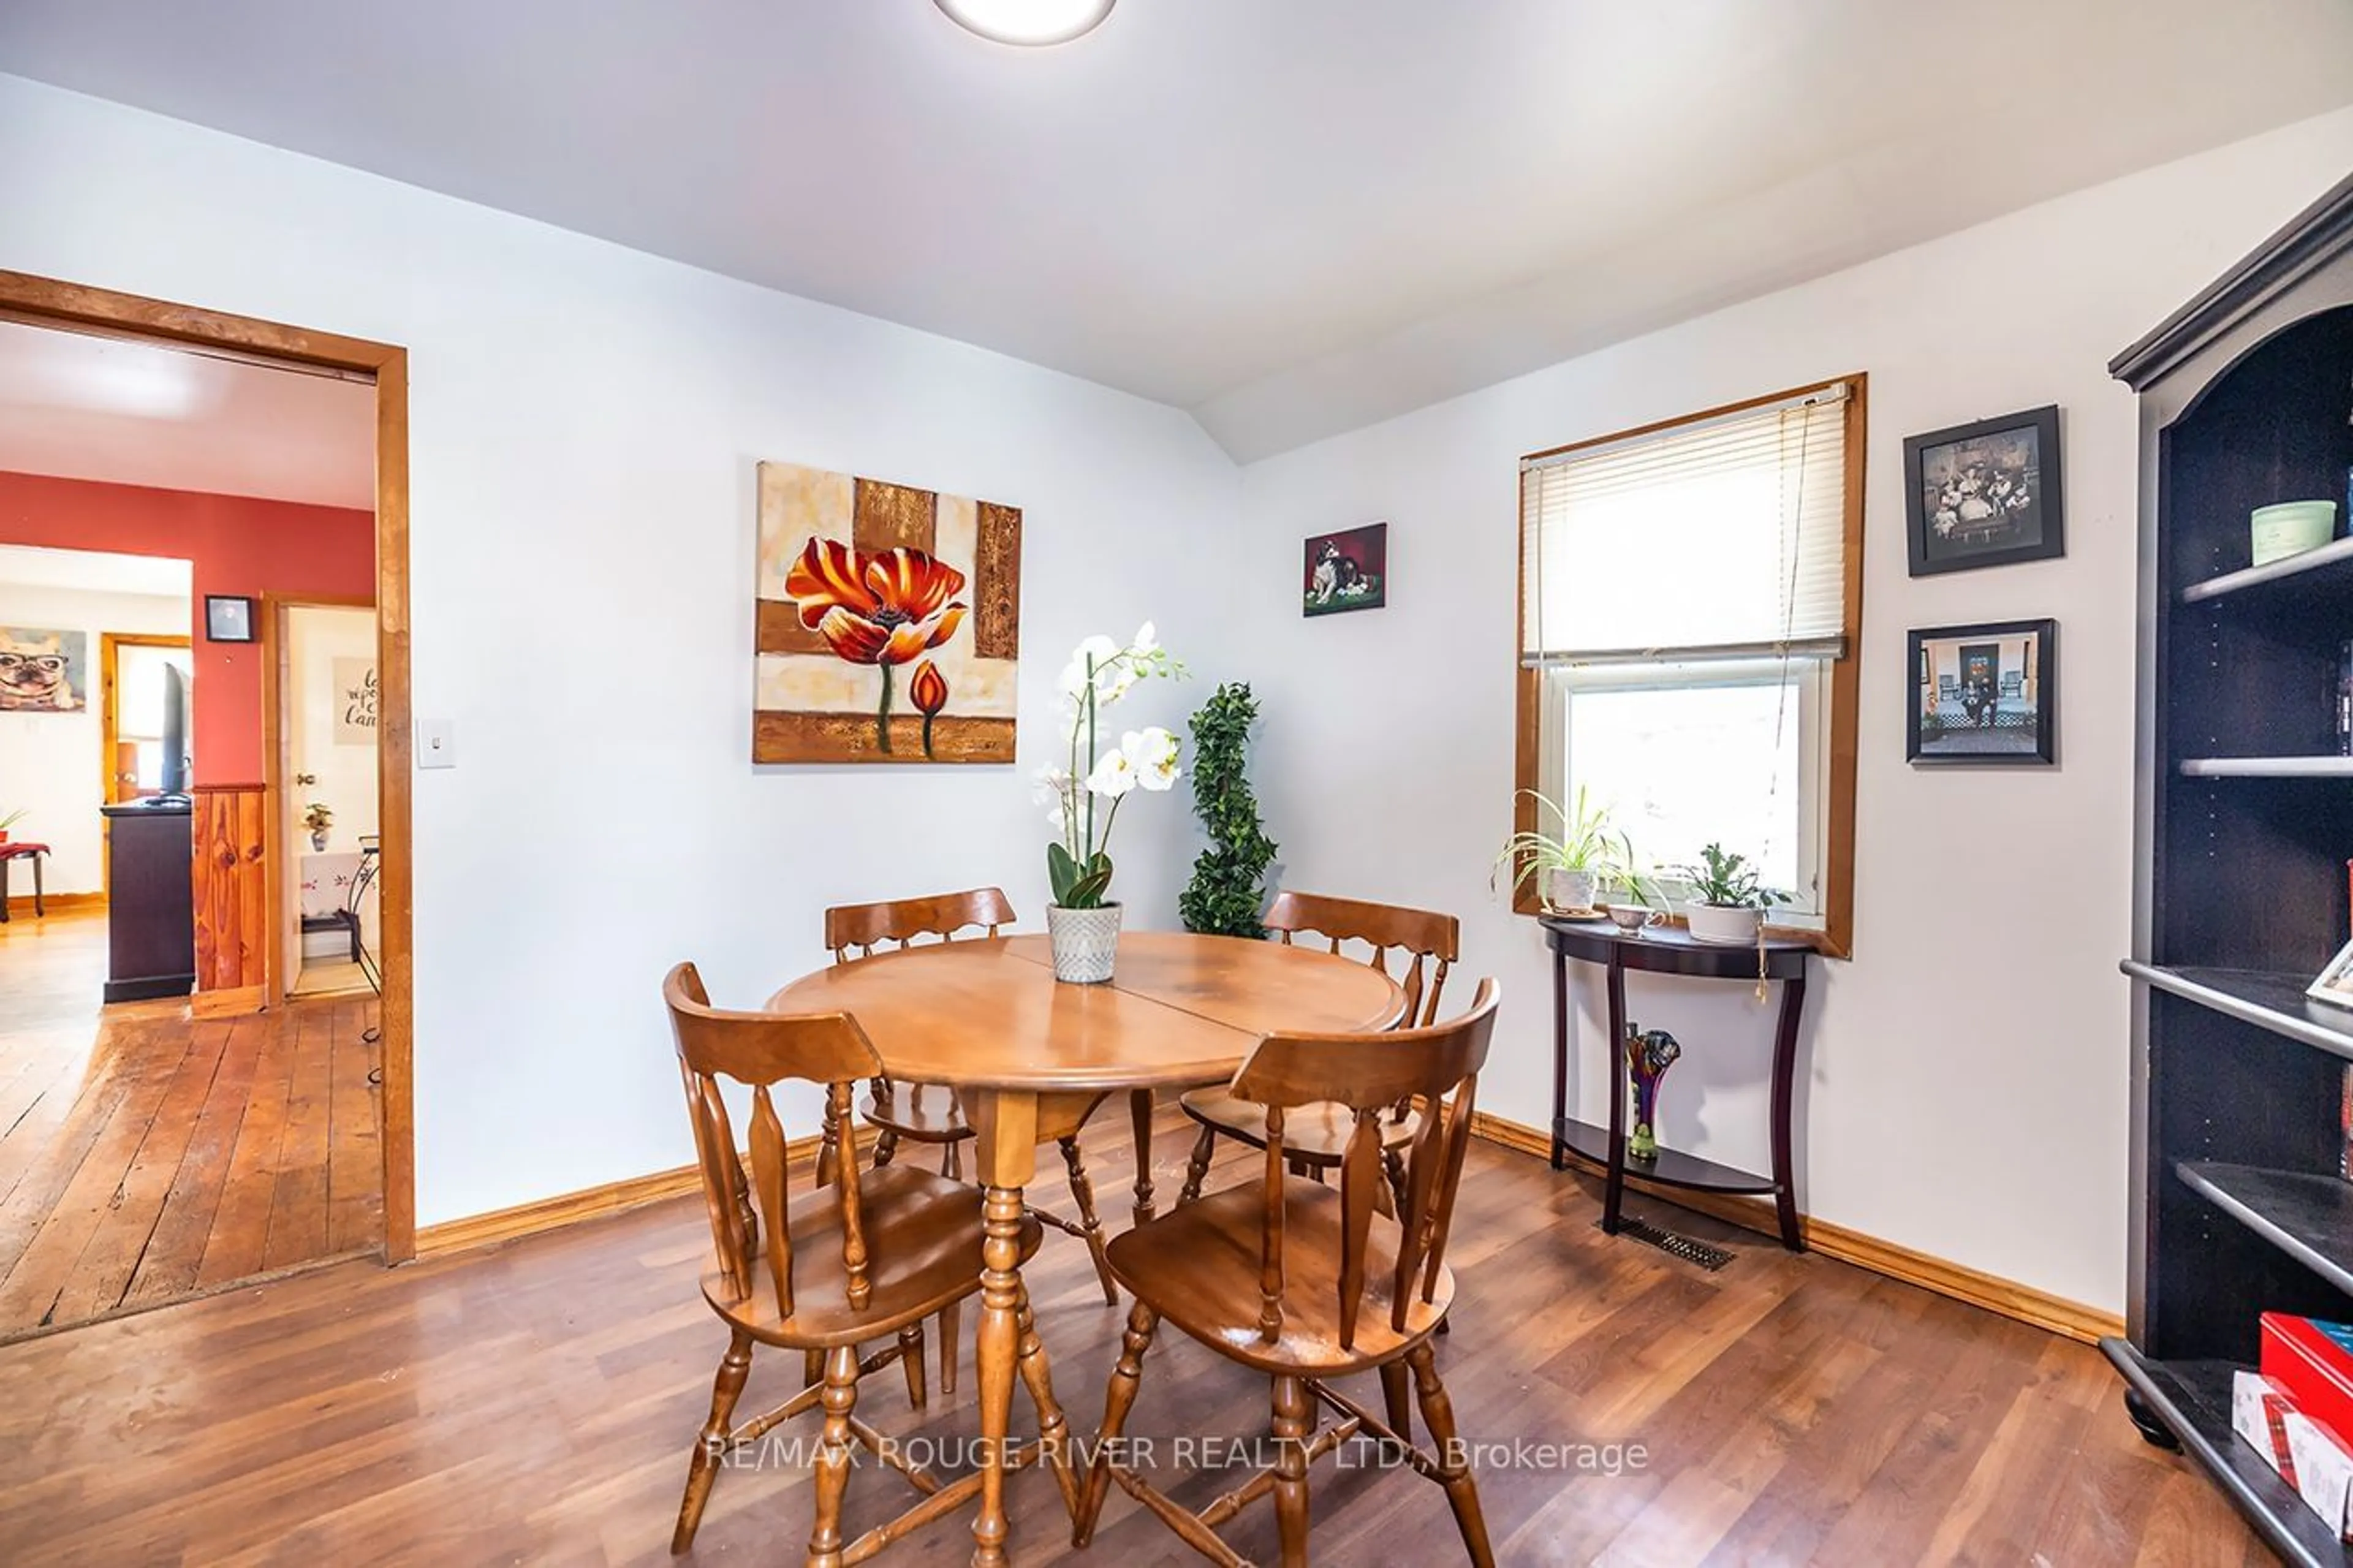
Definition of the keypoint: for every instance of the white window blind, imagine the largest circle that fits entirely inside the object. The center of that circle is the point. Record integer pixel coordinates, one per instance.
(1722, 539)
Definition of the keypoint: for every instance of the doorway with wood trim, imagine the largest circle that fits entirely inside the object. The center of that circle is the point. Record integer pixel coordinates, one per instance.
(135, 672)
(236, 1032)
(320, 701)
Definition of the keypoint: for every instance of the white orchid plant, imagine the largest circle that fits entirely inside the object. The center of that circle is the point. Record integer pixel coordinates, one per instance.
(1084, 797)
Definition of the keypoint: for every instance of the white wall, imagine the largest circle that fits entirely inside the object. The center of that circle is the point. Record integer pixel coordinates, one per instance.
(1965, 1091)
(50, 763)
(584, 422)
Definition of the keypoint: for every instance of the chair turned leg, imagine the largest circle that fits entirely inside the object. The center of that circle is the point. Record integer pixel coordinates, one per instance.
(833, 1456)
(1139, 1113)
(951, 1322)
(812, 1368)
(1082, 1190)
(1461, 1486)
(910, 1358)
(734, 1368)
(1053, 1428)
(1126, 1373)
(1393, 1165)
(952, 1162)
(886, 1146)
(829, 1157)
(1291, 1426)
(1197, 1169)
(1398, 1397)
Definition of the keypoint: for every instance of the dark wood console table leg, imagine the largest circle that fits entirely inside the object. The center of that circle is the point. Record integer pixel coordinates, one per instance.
(1613, 1192)
(1785, 1063)
(1559, 1054)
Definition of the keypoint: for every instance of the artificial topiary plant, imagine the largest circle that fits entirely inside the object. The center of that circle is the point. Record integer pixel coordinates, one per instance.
(1227, 892)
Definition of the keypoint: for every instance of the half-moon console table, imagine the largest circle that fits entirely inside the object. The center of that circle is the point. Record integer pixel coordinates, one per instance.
(1667, 950)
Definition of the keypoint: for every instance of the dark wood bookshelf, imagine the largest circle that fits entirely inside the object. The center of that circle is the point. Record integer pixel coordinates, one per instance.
(2242, 828)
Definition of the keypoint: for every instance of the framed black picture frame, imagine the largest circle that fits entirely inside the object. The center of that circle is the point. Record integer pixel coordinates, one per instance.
(1984, 695)
(229, 617)
(1345, 570)
(1988, 494)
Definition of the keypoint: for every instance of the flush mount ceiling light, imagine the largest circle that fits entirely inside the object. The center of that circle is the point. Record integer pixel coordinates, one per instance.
(1028, 22)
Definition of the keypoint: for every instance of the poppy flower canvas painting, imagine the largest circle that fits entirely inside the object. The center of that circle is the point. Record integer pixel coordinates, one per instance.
(889, 621)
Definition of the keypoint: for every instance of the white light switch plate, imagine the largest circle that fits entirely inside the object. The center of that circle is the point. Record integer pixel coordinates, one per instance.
(436, 743)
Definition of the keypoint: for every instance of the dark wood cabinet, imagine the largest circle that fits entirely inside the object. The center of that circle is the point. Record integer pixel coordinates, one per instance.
(2243, 828)
(151, 919)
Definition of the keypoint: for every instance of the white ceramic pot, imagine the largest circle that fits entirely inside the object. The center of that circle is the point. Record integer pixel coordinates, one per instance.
(1732, 928)
(1086, 942)
(1571, 890)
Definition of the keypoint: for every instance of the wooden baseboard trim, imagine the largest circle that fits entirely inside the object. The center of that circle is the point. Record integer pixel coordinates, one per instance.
(594, 1203)
(234, 1001)
(20, 905)
(2053, 1314)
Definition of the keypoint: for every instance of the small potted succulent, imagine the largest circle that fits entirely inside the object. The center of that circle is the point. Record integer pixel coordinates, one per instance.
(1571, 867)
(1728, 898)
(317, 818)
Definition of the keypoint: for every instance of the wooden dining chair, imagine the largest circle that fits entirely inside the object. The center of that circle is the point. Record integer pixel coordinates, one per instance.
(1427, 945)
(1307, 1284)
(866, 1257)
(928, 1112)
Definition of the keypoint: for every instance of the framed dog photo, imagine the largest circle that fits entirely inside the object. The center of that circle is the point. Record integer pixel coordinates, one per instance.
(229, 617)
(1347, 571)
(1985, 694)
(1986, 494)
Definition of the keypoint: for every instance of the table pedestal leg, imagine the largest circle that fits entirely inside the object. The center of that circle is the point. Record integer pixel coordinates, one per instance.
(1005, 1125)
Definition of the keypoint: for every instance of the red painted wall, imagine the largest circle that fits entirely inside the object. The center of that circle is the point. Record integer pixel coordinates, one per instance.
(238, 546)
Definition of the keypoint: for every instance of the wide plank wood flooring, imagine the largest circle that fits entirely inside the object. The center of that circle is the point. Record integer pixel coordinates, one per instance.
(146, 1156)
(536, 1403)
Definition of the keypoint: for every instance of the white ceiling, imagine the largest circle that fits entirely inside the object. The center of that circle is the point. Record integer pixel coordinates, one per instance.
(94, 570)
(1286, 215)
(81, 407)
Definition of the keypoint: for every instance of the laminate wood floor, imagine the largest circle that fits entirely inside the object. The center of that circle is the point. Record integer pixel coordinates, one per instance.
(146, 1156)
(536, 1402)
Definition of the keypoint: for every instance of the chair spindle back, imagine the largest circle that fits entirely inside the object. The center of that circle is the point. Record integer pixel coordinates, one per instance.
(1429, 943)
(1436, 1066)
(748, 1210)
(865, 927)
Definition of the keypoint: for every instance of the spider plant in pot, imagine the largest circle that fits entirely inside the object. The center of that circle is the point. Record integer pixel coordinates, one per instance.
(9, 819)
(1570, 868)
(1083, 798)
(1728, 898)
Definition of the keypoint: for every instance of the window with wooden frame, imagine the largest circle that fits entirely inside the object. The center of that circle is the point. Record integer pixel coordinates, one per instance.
(1691, 608)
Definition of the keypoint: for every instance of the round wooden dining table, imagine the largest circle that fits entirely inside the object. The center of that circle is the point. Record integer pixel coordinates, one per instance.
(1031, 1058)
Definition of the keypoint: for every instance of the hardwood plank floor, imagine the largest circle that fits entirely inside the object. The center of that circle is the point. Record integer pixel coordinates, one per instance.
(536, 1402)
(145, 1155)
